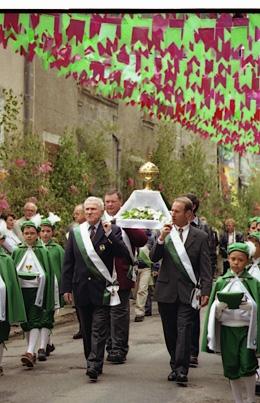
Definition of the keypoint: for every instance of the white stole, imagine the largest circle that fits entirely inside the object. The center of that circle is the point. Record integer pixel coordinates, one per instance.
(2, 300)
(214, 325)
(184, 258)
(255, 269)
(100, 265)
(56, 294)
(42, 278)
(129, 247)
(56, 286)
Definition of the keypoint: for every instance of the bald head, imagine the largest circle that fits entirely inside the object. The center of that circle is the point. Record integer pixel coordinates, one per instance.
(79, 214)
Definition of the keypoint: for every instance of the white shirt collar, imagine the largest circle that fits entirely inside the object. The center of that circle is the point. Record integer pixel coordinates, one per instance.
(184, 228)
(95, 225)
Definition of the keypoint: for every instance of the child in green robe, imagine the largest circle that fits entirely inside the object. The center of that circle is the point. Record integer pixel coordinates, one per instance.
(254, 270)
(37, 283)
(11, 299)
(233, 330)
(56, 255)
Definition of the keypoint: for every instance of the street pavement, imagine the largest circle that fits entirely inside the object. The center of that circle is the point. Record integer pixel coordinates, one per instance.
(143, 378)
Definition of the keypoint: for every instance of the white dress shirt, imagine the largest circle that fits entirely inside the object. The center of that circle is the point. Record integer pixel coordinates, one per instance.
(185, 231)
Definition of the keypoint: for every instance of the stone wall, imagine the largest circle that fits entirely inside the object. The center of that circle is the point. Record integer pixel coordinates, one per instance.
(55, 104)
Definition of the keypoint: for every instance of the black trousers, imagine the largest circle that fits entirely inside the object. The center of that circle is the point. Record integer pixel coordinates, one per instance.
(226, 266)
(94, 322)
(195, 338)
(177, 321)
(117, 341)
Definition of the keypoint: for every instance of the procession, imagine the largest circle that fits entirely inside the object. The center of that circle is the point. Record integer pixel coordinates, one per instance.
(130, 247)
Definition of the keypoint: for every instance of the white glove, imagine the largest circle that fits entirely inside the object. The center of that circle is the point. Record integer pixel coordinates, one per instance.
(246, 306)
(220, 306)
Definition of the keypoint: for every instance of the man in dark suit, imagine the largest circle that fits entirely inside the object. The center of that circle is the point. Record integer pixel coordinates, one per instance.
(117, 343)
(212, 240)
(181, 268)
(228, 236)
(88, 272)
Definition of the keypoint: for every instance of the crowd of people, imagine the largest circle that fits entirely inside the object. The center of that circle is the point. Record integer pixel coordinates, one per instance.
(100, 266)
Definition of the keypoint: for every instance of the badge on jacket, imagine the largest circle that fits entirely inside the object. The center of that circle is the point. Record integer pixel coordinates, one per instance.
(102, 247)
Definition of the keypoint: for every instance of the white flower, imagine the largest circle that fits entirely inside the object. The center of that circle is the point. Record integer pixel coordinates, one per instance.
(53, 218)
(36, 219)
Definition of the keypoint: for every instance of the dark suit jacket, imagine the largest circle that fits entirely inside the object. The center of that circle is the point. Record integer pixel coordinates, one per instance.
(137, 238)
(223, 242)
(76, 276)
(171, 283)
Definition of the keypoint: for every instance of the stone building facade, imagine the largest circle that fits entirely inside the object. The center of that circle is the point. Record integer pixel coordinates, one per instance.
(53, 104)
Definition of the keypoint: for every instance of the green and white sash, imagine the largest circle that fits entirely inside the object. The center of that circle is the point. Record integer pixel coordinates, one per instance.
(96, 266)
(2, 300)
(214, 326)
(38, 270)
(183, 263)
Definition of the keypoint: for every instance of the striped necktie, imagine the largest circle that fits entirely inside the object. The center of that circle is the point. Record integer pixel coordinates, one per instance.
(92, 231)
(180, 233)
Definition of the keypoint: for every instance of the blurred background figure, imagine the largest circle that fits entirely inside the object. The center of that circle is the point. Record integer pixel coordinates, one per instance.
(252, 224)
(11, 239)
(144, 281)
(228, 236)
(29, 211)
(78, 218)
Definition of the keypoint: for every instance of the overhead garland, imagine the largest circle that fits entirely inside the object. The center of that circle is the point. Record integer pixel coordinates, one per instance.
(201, 72)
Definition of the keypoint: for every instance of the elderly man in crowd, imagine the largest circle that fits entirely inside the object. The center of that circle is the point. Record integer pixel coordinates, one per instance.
(183, 276)
(88, 272)
(29, 210)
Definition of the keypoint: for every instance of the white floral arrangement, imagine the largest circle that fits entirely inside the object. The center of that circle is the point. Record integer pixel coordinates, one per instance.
(138, 213)
(143, 213)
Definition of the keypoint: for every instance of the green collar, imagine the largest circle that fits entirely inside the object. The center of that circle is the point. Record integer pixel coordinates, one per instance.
(244, 274)
(38, 244)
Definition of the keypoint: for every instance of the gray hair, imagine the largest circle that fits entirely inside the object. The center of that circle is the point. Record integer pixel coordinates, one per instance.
(30, 204)
(96, 200)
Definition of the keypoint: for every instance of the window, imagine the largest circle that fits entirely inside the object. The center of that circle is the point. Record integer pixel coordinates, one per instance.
(51, 144)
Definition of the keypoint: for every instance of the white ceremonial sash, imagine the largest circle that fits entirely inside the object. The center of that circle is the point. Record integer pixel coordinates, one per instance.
(100, 265)
(40, 270)
(2, 300)
(184, 258)
(214, 329)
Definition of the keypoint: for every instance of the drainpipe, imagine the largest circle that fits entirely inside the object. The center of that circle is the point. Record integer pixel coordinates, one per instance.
(29, 92)
(118, 150)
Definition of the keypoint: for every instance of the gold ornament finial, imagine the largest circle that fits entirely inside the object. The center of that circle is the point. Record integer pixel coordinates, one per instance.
(148, 172)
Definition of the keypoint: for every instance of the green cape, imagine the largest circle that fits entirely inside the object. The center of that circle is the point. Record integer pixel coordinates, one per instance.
(42, 255)
(251, 284)
(15, 311)
(56, 256)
